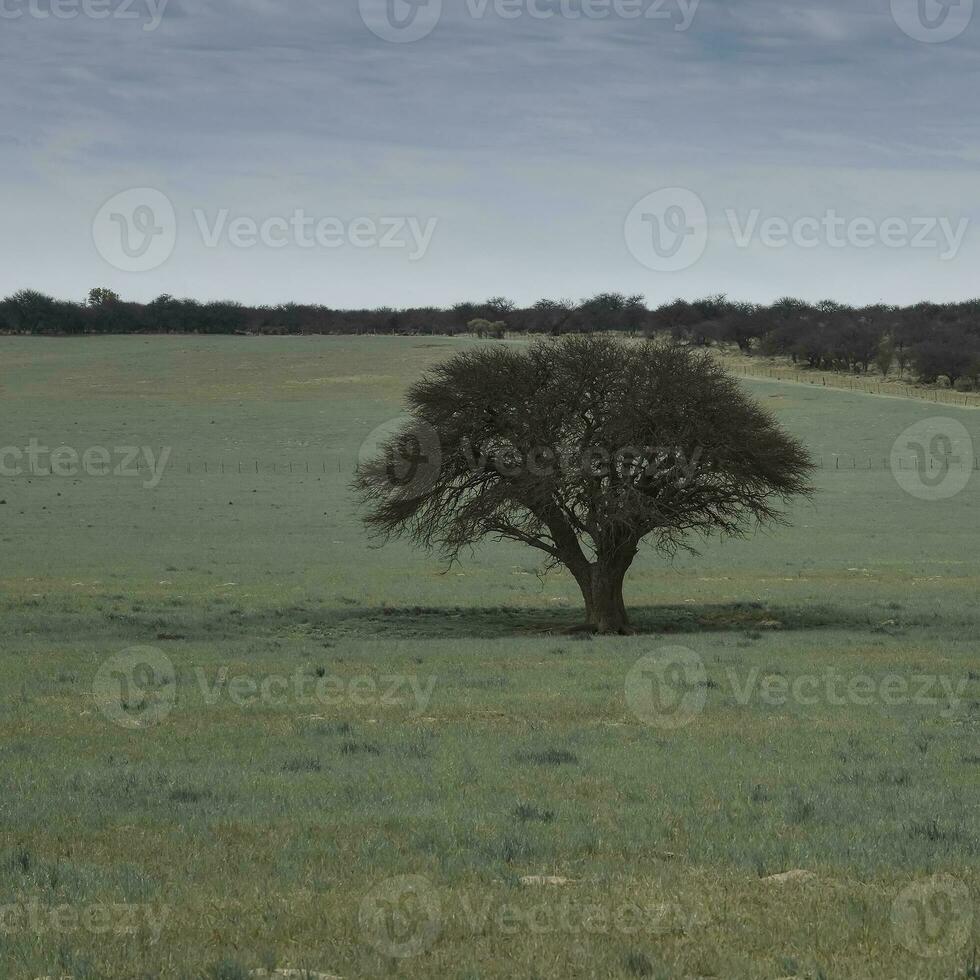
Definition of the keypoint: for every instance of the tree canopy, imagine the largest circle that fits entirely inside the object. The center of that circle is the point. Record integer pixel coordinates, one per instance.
(581, 448)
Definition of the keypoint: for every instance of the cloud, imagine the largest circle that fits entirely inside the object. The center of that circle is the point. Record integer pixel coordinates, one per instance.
(529, 139)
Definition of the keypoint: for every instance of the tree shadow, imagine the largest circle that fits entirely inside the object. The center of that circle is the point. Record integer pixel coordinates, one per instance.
(425, 622)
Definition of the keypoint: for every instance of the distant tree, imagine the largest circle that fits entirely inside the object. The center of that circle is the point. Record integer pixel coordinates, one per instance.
(102, 297)
(601, 313)
(827, 335)
(885, 356)
(550, 316)
(500, 306)
(945, 353)
(32, 312)
(168, 315)
(464, 312)
(675, 318)
(581, 448)
(740, 325)
(221, 317)
(712, 307)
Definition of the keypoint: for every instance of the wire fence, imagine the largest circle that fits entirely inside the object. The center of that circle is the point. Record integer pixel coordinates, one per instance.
(831, 462)
(868, 386)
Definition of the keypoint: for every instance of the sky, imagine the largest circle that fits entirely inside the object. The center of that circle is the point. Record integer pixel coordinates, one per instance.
(387, 153)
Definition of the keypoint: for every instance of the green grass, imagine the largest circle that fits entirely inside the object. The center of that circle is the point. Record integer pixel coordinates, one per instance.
(441, 725)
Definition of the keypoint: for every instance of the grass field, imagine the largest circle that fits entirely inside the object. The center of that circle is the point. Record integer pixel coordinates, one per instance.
(334, 758)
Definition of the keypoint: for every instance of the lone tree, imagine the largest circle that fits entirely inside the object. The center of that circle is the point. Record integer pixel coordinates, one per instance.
(581, 448)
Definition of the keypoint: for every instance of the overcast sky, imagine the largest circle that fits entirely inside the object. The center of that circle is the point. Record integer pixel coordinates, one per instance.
(358, 155)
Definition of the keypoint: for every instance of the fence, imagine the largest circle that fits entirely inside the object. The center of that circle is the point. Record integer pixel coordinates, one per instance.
(825, 379)
(830, 462)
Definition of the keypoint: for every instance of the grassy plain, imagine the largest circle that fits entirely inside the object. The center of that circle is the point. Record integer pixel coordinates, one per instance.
(437, 735)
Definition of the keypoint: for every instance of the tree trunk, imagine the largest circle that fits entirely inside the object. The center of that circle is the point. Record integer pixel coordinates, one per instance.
(602, 589)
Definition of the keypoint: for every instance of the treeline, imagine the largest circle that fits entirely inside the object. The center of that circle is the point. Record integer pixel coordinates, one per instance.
(935, 343)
